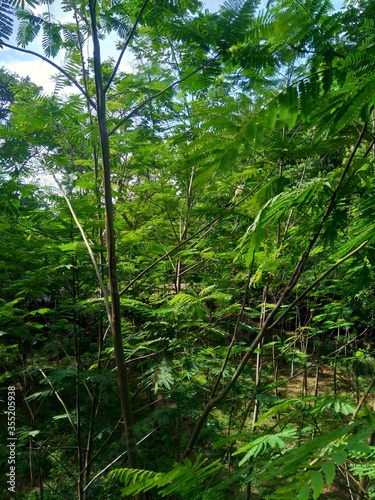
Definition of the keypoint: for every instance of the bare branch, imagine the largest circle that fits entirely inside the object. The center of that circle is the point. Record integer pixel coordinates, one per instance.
(59, 68)
(130, 36)
(155, 96)
(89, 249)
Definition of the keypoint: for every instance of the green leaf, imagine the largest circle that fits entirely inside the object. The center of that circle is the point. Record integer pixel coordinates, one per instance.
(74, 246)
(52, 41)
(359, 447)
(339, 457)
(163, 375)
(186, 478)
(329, 471)
(317, 484)
(303, 493)
(43, 310)
(62, 416)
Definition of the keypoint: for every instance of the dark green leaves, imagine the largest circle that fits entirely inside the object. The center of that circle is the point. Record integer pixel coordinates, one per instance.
(6, 20)
(51, 41)
(329, 471)
(28, 28)
(185, 478)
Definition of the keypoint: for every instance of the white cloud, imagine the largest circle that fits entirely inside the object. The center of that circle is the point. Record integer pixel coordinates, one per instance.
(40, 72)
(37, 70)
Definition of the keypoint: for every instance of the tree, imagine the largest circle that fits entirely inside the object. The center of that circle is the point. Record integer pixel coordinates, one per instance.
(235, 208)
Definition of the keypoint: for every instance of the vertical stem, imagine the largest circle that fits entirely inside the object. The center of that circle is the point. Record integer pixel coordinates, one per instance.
(40, 474)
(316, 386)
(122, 375)
(259, 360)
(275, 365)
(304, 345)
(184, 232)
(78, 416)
(31, 463)
(335, 362)
(89, 442)
(77, 349)
(234, 336)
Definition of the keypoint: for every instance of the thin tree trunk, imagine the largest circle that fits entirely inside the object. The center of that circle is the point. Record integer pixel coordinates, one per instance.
(122, 375)
(40, 475)
(259, 361)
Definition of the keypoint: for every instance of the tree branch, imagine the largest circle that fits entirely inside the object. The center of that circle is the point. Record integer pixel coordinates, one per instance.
(316, 282)
(60, 399)
(130, 36)
(59, 68)
(293, 280)
(207, 227)
(155, 96)
(89, 249)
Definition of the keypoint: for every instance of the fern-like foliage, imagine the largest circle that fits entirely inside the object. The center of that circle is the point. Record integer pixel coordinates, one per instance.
(306, 469)
(186, 479)
(6, 20)
(72, 62)
(162, 375)
(51, 41)
(21, 4)
(330, 86)
(302, 456)
(7, 8)
(277, 208)
(264, 442)
(362, 228)
(29, 27)
(116, 19)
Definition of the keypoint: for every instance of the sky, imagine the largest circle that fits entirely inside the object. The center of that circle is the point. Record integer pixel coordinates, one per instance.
(40, 72)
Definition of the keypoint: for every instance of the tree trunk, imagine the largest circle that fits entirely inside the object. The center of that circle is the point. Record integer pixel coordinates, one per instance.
(122, 375)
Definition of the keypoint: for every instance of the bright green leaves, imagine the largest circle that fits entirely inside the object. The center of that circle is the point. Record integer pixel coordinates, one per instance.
(163, 376)
(187, 479)
(305, 199)
(74, 246)
(29, 27)
(339, 457)
(336, 86)
(183, 301)
(295, 462)
(309, 466)
(329, 471)
(317, 484)
(309, 90)
(52, 40)
(230, 158)
(303, 493)
(288, 107)
(260, 445)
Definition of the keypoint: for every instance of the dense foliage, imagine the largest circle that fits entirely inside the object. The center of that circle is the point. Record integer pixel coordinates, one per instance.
(186, 285)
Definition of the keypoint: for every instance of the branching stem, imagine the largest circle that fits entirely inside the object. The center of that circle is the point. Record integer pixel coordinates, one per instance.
(56, 66)
(271, 320)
